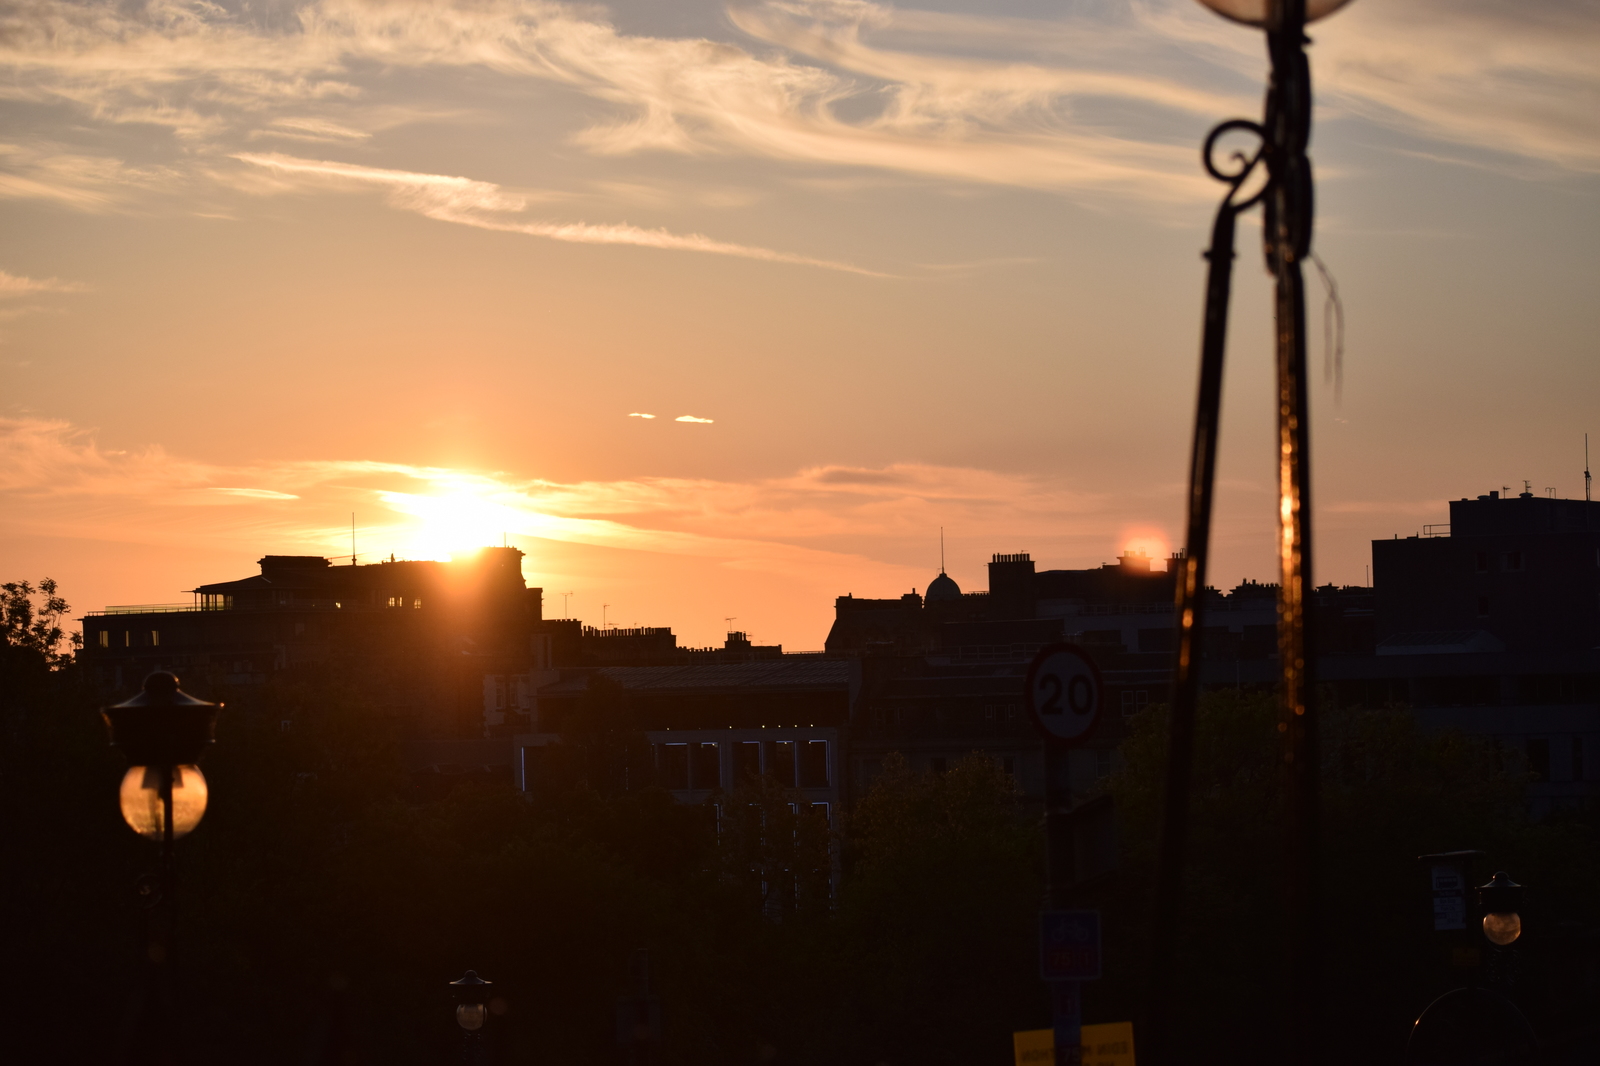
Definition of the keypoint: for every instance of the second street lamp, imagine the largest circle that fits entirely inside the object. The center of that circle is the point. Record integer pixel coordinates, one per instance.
(1500, 901)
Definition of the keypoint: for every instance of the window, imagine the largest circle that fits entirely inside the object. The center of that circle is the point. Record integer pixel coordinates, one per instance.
(1539, 759)
(1511, 561)
(284, 725)
(780, 763)
(1102, 763)
(1577, 758)
(822, 809)
(1483, 562)
(1483, 607)
(105, 638)
(747, 760)
(674, 765)
(416, 604)
(1134, 701)
(814, 764)
(397, 601)
(155, 638)
(127, 639)
(988, 711)
(707, 766)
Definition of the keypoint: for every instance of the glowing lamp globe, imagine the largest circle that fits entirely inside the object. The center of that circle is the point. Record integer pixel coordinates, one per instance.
(1265, 12)
(1500, 899)
(144, 809)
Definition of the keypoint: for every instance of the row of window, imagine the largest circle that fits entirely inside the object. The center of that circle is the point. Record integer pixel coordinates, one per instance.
(1510, 562)
(127, 638)
(699, 765)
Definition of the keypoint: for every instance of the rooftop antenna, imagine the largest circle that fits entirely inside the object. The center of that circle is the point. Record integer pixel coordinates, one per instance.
(603, 607)
(564, 597)
(941, 549)
(352, 538)
(1586, 479)
(729, 620)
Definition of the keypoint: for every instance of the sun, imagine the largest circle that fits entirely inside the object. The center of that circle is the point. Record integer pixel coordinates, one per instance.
(1147, 540)
(443, 524)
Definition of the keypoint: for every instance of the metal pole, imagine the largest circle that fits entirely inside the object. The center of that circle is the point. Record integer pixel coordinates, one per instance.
(1287, 237)
(1066, 1003)
(1191, 585)
(1287, 243)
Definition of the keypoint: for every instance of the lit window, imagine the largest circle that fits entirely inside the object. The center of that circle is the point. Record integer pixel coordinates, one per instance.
(416, 603)
(105, 638)
(155, 638)
(127, 639)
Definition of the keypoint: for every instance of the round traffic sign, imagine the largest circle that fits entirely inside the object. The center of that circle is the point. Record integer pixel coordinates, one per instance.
(1064, 692)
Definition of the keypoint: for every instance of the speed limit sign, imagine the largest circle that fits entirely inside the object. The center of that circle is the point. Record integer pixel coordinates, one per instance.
(1064, 692)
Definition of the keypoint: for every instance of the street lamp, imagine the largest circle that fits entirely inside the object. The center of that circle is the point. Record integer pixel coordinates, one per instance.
(471, 992)
(162, 731)
(1500, 900)
(1286, 196)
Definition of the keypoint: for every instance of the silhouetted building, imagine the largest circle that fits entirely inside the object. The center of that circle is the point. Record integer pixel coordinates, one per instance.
(708, 726)
(1506, 574)
(1488, 625)
(455, 646)
(574, 644)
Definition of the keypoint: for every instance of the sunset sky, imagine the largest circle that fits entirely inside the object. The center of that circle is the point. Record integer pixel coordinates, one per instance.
(873, 270)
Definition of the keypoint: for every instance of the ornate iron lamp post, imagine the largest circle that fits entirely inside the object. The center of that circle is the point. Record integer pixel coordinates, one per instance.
(1286, 194)
(162, 731)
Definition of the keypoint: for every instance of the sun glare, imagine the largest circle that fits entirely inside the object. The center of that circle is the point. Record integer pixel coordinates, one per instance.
(448, 523)
(1152, 542)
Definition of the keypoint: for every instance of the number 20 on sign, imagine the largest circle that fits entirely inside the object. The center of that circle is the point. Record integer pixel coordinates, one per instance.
(1064, 692)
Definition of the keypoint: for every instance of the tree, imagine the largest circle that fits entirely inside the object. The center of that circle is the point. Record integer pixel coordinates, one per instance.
(33, 630)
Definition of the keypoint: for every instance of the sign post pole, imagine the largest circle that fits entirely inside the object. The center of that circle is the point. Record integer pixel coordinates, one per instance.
(1064, 697)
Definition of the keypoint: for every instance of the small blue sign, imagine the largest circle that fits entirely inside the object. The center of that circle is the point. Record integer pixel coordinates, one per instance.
(1069, 945)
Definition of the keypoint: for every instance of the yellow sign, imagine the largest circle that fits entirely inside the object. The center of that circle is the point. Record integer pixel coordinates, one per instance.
(1110, 1044)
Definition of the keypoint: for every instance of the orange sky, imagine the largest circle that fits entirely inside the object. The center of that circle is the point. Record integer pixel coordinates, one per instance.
(905, 268)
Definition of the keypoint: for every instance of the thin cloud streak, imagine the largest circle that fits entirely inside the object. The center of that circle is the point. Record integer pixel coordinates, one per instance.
(475, 203)
(12, 285)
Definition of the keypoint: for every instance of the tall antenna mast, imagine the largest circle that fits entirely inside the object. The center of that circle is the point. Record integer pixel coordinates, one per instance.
(564, 597)
(1587, 480)
(941, 548)
(352, 538)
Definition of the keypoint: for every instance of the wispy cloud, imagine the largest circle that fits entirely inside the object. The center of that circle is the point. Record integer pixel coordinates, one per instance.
(484, 205)
(1104, 100)
(640, 414)
(12, 285)
(692, 418)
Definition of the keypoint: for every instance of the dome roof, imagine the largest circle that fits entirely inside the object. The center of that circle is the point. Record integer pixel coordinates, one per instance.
(943, 588)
